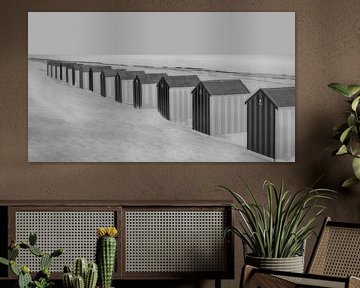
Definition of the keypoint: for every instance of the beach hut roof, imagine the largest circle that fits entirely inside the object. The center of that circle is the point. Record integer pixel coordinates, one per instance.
(129, 75)
(225, 87)
(151, 78)
(77, 66)
(112, 72)
(182, 81)
(99, 68)
(280, 97)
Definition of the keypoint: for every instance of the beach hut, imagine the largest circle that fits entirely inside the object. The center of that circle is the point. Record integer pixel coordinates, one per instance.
(78, 75)
(94, 78)
(219, 107)
(48, 68)
(108, 83)
(59, 70)
(175, 98)
(125, 82)
(53, 69)
(145, 90)
(271, 122)
(85, 76)
(70, 74)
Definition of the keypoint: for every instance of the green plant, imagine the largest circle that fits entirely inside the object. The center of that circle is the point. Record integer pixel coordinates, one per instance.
(85, 275)
(105, 254)
(279, 229)
(42, 278)
(348, 133)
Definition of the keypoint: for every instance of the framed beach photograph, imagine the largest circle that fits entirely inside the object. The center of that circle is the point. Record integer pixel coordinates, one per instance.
(161, 87)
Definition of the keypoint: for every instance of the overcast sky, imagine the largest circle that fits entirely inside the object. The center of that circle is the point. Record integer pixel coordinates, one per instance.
(64, 33)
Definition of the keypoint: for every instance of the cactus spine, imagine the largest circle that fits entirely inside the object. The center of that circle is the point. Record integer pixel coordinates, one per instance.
(106, 254)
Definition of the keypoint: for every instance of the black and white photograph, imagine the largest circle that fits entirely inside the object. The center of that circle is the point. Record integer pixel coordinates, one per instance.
(161, 87)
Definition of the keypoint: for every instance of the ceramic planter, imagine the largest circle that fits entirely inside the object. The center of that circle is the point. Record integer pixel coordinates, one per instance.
(291, 264)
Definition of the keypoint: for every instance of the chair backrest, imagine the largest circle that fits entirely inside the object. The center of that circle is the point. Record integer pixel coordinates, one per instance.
(337, 251)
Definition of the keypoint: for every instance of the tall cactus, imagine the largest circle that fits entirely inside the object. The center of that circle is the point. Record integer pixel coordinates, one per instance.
(106, 254)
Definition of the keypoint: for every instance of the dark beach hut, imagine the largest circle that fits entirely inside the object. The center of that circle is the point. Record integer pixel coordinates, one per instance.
(48, 68)
(59, 70)
(125, 80)
(145, 90)
(219, 107)
(271, 123)
(95, 78)
(108, 83)
(64, 76)
(175, 98)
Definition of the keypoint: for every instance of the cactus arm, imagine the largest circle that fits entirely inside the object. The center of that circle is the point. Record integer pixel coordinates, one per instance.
(45, 261)
(24, 280)
(68, 280)
(36, 251)
(80, 268)
(13, 253)
(14, 268)
(4, 261)
(91, 276)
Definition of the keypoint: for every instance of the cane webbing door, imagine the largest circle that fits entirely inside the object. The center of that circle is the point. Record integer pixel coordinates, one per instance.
(73, 230)
(166, 241)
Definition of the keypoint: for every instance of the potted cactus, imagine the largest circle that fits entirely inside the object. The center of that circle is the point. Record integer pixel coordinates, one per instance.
(84, 275)
(106, 254)
(42, 278)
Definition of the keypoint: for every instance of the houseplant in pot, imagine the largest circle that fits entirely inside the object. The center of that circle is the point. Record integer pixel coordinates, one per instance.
(348, 132)
(275, 233)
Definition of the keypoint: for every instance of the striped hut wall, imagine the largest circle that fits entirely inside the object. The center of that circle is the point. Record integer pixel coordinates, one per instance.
(77, 78)
(149, 95)
(53, 69)
(110, 87)
(285, 133)
(96, 82)
(58, 72)
(180, 104)
(127, 91)
(63, 68)
(86, 80)
(70, 75)
(228, 114)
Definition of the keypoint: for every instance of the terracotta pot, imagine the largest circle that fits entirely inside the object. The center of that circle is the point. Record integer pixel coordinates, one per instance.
(291, 264)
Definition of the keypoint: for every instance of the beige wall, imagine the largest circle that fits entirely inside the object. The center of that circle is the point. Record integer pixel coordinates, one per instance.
(327, 50)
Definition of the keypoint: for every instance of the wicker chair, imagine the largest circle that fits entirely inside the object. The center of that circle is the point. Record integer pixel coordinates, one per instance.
(334, 263)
